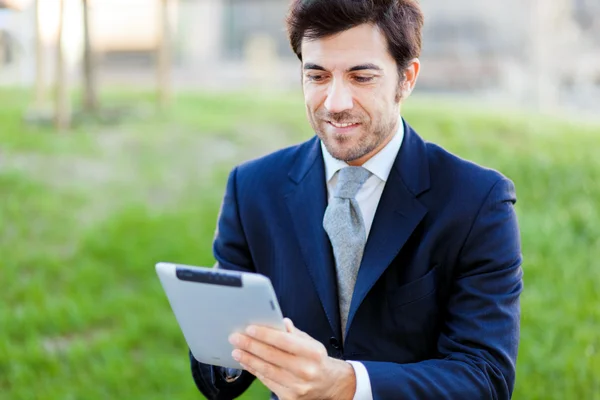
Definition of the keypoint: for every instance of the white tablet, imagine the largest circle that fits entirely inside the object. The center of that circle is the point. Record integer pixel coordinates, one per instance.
(210, 304)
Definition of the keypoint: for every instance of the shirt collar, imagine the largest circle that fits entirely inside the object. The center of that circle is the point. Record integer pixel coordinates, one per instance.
(379, 165)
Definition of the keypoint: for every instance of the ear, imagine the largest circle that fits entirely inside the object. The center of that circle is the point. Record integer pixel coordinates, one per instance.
(411, 73)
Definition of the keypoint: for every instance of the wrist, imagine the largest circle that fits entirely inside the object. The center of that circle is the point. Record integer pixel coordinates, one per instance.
(344, 386)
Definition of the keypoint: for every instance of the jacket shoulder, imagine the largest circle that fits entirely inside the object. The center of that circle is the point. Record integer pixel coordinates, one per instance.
(275, 166)
(450, 169)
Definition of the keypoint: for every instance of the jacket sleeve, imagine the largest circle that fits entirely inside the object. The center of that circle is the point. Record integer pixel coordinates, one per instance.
(231, 251)
(478, 344)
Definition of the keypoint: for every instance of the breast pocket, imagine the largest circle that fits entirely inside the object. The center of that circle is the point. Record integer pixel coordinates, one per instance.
(415, 290)
(415, 315)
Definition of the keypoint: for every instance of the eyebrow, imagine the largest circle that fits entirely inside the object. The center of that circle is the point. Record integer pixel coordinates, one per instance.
(360, 67)
(313, 66)
(363, 67)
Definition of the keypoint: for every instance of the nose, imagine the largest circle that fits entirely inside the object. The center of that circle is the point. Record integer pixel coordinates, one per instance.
(339, 97)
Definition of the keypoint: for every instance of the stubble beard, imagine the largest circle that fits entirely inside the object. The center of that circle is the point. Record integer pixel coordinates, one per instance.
(338, 145)
(370, 138)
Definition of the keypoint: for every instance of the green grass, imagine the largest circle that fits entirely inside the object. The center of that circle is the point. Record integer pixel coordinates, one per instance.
(85, 215)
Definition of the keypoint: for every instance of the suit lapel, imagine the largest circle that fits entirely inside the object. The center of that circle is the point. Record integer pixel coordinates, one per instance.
(306, 203)
(398, 214)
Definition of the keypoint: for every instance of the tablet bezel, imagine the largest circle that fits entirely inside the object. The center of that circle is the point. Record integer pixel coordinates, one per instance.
(210, 304)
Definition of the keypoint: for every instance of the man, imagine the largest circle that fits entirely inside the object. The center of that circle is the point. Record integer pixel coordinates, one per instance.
(397, 263)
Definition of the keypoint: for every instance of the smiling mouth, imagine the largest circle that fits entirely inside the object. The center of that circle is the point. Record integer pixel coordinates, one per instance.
(343, 125)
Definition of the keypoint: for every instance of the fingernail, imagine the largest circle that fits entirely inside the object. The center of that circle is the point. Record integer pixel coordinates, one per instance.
(251, 331)
(236, 354)
(234, 339)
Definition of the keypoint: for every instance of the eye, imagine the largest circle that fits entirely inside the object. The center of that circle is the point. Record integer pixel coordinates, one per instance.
(363, 79)
(315, 78)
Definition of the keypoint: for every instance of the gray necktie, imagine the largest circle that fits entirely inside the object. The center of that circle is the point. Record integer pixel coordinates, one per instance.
(344, 224)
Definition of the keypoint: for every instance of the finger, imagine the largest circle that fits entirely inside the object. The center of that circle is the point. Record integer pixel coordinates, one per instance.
(301, 356)
(300, 332)
(264, 369)
(279, 390)
(266, 352)
(291, 328)
(302, 367)
(289, 325)
(293, 344)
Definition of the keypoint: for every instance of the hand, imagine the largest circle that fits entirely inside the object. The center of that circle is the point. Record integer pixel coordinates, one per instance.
(292, 364)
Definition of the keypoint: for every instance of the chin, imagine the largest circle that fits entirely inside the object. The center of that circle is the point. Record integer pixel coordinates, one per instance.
(341, 153)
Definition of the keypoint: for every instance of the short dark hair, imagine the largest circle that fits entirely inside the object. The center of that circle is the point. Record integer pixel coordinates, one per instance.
(399, 20)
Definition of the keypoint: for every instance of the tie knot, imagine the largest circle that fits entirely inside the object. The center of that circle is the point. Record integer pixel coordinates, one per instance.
(350, 180)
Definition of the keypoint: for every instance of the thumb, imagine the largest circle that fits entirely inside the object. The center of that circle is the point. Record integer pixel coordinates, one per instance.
(291, 328)
(289, 325)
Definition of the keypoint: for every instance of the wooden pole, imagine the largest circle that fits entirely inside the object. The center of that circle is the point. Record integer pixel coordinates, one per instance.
(164, 55)
(40, 60)
(62, 107)
(546, 53)
(1, 45)
(90, 101)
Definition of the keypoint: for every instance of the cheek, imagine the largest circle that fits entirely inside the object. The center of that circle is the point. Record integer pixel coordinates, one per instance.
(371, 102)
(382, 102)
(313, 98)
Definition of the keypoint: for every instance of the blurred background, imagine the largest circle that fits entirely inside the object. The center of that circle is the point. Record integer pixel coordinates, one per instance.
(120, 119)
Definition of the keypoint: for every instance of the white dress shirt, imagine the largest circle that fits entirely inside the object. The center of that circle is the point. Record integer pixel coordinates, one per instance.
(367, 197)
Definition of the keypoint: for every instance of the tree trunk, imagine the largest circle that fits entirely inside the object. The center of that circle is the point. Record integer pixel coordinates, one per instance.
(164, 55)
(90, 93)
(40, 62)
(62, 106)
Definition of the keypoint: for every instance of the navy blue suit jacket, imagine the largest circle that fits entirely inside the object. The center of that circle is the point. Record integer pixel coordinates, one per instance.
(435, 312)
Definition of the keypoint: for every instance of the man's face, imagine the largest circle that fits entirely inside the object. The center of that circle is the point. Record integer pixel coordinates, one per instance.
(351, 90)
